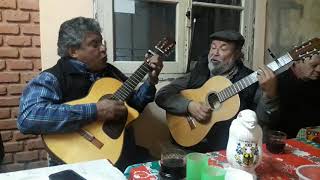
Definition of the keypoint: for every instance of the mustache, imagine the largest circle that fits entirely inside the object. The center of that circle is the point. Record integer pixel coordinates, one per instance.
(213, 59)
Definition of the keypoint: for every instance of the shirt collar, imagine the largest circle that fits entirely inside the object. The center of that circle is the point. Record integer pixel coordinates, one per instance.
(83, 68)
(78, 65)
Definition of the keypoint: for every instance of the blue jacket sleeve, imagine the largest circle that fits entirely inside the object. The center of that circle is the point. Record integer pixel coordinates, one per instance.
(41, 110)
(144, 95)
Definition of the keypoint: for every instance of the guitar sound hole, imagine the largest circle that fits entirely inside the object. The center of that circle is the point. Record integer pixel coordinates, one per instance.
(213, 101)
(114, 129)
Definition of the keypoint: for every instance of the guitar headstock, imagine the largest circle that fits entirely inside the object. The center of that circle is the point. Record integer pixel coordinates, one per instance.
(306, 50)
(165, 47)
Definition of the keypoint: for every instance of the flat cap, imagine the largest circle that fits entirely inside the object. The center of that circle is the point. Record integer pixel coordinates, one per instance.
(228, 35)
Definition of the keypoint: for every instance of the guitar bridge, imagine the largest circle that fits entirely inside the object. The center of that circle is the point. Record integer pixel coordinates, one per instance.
(88, 136)
(191, 122)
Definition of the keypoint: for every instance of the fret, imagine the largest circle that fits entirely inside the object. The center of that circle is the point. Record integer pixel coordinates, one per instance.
(237, 87)
(273, 66)
(245, 82)
(282, 60)
(228, 90)
(229, 94)
(126, 88)
(121, 96)
(219, 97)
(115, 97)
(145, 69)
(240, 85)
(135, 82)
(123, 91)
(131, 83)
(232, 90)
(137, 76)
(140, 75)
(223, 95)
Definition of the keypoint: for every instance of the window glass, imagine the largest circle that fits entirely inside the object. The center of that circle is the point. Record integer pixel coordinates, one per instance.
(138, 32)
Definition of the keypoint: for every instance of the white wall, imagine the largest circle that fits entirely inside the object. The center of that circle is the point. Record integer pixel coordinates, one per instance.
(52, 14)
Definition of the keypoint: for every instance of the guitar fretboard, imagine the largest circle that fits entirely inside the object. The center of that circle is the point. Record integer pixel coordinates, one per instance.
(252, 78)
(131, 83)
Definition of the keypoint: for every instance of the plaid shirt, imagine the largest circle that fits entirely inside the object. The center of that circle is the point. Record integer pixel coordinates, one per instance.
(41, 111)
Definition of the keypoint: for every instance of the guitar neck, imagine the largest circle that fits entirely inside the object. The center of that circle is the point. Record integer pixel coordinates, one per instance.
(163, 49)
(251, 79)
(131, 83)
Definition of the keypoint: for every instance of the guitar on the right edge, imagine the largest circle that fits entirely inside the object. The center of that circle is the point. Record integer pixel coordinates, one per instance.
(222, 96)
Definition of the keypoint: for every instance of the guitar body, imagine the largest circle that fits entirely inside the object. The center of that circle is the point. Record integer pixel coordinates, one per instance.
(228, 102)
(179, 127)
(72, 147)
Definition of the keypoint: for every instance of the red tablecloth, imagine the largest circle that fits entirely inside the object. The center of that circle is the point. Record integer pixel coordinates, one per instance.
(273, 166)
(279, 166)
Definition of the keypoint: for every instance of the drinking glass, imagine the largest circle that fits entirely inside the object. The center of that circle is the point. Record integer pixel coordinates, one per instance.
(173, 164)
(196, 162)
(276, 141)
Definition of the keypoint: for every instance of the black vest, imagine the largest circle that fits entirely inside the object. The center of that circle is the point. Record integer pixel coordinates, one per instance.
(74, 84)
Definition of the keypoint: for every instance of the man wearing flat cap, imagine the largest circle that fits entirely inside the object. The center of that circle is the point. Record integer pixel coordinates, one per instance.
(224, 59)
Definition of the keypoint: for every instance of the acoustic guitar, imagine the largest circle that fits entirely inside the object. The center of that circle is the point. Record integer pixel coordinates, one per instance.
(222, 96)
(103, 140)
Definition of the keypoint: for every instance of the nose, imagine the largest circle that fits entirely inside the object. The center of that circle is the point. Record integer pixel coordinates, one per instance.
(216, 52)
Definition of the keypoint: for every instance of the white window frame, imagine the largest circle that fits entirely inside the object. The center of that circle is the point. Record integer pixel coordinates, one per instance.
(103, 11)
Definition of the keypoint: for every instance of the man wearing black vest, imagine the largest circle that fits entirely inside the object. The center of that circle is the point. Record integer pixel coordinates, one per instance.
(224, 59)
(82, 62)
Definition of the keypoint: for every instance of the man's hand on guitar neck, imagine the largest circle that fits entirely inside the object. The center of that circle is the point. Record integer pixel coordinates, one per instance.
(199, 111)
(268, 82)
(111, 110)
(156, 65)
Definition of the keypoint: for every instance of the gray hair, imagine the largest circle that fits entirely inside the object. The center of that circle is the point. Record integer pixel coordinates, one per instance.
(73, 32)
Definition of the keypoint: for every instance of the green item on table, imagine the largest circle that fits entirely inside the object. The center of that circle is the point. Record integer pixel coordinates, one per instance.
(196, 162)
(213, 173)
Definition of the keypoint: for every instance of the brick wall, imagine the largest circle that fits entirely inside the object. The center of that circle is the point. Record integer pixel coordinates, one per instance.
(19, 62)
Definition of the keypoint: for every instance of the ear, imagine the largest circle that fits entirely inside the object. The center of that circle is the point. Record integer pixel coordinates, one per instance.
(73, 52)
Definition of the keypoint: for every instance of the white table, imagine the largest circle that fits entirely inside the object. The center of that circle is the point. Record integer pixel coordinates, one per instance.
(91, 170)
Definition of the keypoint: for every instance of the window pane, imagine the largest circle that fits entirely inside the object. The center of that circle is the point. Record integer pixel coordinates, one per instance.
(136, 33)
(227, 2)
(210, 20)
